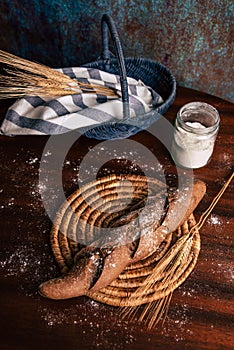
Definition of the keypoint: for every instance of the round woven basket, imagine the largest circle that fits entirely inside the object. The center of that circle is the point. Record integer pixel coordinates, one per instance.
(151, 73)
(98, 204)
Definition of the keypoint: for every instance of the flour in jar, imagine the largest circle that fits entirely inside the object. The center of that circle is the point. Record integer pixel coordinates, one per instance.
(192, 149)
(196, 128)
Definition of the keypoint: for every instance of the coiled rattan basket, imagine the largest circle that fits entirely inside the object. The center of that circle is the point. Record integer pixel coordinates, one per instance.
(99, 203)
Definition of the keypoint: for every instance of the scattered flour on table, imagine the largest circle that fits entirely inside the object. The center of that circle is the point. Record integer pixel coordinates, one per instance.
(214, 220)
(32, 160)
(9, 203)
(92, 322)
(178, 322)
(28, 265)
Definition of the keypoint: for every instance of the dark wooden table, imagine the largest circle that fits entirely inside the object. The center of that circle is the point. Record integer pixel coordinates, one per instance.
(201, 310)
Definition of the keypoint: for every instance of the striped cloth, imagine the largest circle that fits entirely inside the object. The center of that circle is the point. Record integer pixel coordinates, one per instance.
(47, 116)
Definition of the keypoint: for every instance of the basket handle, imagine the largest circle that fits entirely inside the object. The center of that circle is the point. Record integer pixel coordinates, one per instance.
(108, 23)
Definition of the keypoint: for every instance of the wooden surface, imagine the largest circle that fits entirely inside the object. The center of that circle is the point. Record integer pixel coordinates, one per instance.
(201, 310)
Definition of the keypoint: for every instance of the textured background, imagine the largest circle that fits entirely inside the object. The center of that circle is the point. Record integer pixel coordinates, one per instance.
(193, 38)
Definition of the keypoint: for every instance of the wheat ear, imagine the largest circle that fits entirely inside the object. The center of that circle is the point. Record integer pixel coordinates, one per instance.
(24, 77)
(172, 265)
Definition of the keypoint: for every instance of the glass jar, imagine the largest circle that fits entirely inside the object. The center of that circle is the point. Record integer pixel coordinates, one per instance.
(196, 128)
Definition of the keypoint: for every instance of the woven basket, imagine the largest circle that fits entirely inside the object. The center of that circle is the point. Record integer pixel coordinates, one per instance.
(151, 73)
(99, 204)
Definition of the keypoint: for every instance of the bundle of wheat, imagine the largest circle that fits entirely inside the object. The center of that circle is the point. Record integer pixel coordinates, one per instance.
(23, 77)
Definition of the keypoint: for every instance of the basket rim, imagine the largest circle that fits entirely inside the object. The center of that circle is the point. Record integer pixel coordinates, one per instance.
(170, 98)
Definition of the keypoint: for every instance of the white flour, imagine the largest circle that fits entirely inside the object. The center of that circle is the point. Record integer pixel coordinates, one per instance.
(191, 150)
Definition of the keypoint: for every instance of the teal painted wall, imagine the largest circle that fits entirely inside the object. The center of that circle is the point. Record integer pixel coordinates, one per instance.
(195, 39)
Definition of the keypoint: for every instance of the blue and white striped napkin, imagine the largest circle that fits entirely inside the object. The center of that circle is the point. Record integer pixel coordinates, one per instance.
(34, 115)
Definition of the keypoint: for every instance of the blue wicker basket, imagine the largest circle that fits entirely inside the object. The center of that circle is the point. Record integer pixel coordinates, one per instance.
(149, 72)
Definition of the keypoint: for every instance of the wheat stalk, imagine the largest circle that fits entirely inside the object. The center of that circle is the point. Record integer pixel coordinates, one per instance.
(24, 77)
(172, 265)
